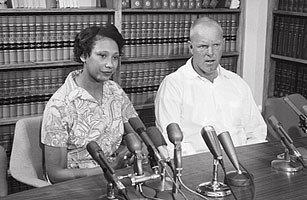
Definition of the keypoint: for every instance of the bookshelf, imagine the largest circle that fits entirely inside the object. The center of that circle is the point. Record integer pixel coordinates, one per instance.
(286, 56)
(36, 53)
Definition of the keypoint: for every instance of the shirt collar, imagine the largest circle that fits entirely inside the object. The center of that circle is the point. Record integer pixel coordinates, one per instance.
(76, 91)
(191, 73)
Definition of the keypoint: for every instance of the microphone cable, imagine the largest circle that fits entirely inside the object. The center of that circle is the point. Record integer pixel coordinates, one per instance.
(225, 174)
(252, 181)
(180, 191)
(191, 191)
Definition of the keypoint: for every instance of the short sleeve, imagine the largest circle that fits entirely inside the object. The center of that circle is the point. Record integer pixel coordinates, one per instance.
(55, 125)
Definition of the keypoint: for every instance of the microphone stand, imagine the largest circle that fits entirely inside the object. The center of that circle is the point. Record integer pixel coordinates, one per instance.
(287, 163)
(214, 188)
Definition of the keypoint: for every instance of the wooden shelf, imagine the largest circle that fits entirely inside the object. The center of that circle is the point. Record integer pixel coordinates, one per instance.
(63, 63)
(297, 60)
(290, 13)
(181, 57)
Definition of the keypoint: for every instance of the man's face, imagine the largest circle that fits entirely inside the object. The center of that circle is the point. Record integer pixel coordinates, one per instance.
(206, 46)
(103, 60)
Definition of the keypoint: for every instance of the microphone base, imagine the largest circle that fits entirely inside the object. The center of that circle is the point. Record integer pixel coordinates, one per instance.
(213, 190)
(240, 180)
(286, 165)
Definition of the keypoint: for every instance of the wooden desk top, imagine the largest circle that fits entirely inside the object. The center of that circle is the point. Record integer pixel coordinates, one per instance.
(269, 183)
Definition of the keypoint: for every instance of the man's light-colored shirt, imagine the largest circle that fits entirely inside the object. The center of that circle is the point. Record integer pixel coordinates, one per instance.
(72, 118)
(193, 102)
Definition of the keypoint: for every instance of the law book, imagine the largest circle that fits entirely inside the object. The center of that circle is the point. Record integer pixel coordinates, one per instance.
(147, 4)
(12, 40)
(172, 4)
(156, 4)
(280, 35)
(165, 4)
(275, 34)
(136, 4)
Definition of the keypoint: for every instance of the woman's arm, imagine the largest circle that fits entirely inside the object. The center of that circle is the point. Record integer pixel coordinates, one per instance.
(56, 166)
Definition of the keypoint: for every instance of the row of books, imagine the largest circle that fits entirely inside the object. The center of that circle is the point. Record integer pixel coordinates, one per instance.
(290, 78)
(179, 4)
(23, 106)
(40, 38)
(59, 3)
(17, 83)
(165, 34)
(293, 5)
(146, 73)
(290, 36)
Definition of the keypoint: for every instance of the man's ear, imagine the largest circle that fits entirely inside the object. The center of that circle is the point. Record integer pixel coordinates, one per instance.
(190, 47)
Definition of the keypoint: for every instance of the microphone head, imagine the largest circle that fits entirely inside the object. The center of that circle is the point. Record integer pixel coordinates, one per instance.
(137, 124)
(229, 149)
(94, 149)
(133, 143)
(209, 135)
(156, 136)
(273, 122)
(174, 133)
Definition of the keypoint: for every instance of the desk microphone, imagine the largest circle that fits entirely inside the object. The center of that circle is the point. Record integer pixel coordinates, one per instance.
(175, 136)
(134, 145)
(213, 188)
(238, 177)
(302, 117)
(109, 173)
(158, 140)
(154, 155)
(285, 165)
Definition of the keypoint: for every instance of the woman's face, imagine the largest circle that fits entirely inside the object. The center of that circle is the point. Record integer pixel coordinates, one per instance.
(103, 60)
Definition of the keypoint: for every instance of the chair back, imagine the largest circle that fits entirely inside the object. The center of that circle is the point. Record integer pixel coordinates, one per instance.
(3, 173)
(27, 162)
(285, 115)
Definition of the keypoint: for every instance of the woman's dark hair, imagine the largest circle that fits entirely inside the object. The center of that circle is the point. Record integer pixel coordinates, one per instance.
(84, 41)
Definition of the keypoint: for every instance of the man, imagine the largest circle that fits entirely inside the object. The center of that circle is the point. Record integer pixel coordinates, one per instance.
(202, 92)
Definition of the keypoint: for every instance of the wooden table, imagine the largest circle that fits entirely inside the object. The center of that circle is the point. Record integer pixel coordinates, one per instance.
(269, 183)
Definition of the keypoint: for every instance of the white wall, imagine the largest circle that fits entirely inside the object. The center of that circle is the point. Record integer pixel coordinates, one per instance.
(254, 46)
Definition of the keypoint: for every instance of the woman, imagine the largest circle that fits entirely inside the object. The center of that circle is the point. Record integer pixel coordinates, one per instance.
(87, 107)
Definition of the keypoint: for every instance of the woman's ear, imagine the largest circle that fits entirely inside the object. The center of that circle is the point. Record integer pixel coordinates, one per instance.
(82, 58)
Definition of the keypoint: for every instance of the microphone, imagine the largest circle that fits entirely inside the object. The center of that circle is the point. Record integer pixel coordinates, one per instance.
(175, 136)
(288, 143)
(159, 142)
(134, 145)
(213, 188)
(238, 177)
(209, 135)
(154, 155)
(98, 155)
(303, 118)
